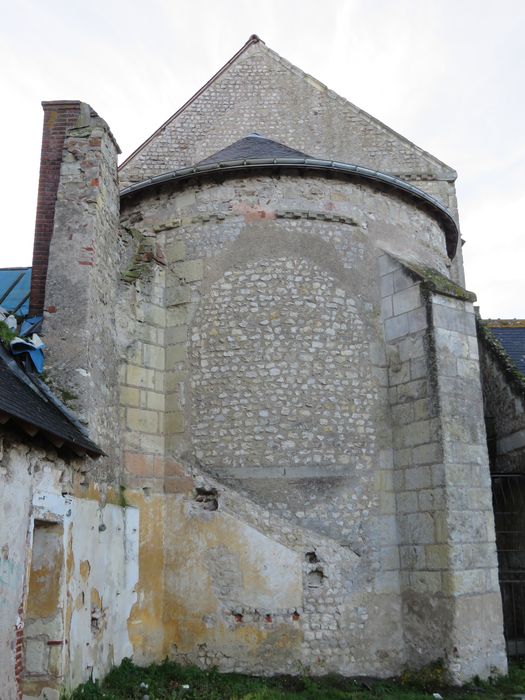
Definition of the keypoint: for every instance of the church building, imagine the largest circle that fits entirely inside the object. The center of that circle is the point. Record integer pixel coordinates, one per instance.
(273, 433)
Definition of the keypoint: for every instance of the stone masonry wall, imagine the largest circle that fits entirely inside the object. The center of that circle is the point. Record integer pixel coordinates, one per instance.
(504, 407)
(211, 237)
(275, 369)
(264, 297)
(233, 269)
(442, 480)
(79, 325)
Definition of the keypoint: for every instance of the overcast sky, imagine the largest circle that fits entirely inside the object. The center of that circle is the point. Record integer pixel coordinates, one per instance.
(447, 74)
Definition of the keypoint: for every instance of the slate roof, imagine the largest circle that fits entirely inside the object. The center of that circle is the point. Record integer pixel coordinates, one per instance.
(15, 284)
(23, 402)
(253, 146)
(511, 334)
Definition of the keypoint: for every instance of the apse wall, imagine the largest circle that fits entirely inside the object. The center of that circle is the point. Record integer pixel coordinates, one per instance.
(278, 363)
(257, 366)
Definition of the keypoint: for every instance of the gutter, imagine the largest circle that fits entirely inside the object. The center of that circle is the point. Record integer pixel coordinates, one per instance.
(440, 212)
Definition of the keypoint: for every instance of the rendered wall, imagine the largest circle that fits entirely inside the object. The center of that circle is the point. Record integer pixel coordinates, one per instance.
(67, 577)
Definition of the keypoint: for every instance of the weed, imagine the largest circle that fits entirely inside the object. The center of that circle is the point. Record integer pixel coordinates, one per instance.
(170, 681)
(429, 678)
(6, 334)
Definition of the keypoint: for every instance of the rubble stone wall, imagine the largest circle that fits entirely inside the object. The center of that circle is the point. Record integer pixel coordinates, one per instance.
(504, 402)
(261, 319)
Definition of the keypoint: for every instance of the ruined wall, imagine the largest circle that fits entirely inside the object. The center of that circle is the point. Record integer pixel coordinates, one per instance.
(79, 325)
(68, 568)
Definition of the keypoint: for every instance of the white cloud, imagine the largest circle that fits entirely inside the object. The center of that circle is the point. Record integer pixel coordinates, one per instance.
(446, 74)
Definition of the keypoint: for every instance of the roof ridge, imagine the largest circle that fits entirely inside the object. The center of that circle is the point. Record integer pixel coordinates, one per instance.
(254, 39)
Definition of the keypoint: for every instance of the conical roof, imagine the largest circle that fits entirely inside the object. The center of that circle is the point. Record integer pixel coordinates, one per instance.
(253, 146)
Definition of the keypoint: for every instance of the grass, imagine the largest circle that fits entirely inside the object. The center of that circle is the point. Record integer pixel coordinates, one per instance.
(169, 681)
(6, 334)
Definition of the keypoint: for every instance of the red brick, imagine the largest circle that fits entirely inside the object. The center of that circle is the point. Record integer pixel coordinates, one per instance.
(58, 118)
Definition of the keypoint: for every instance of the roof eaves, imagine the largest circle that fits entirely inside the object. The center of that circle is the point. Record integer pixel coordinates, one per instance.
(449, 223)
(77, 440)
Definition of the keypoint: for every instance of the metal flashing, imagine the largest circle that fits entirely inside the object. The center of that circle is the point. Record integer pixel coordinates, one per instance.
(325, 167)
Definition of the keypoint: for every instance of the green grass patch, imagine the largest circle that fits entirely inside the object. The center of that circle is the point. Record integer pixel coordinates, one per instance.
(6, 334)
(170, 681)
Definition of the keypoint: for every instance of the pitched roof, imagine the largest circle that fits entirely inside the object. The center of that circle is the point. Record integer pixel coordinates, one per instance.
(253, 146)
(511, 335)
(36, 410)
(254, 39)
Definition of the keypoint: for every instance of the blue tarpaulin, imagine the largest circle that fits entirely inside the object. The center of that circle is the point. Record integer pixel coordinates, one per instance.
(15, 285)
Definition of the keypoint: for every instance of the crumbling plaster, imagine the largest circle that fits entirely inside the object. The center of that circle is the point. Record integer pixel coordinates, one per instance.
(94, 572)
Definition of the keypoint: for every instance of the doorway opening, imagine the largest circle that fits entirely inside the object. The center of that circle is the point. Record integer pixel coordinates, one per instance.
(43, 625)
(508, 493)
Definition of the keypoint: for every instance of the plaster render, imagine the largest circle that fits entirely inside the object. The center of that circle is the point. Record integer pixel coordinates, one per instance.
(55, 594)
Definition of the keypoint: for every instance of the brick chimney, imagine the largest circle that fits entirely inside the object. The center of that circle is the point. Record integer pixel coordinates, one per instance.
(59, 117)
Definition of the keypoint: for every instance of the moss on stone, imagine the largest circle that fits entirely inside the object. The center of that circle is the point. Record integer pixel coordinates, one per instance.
(496, 349)
(436, 282)
(143, 255)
